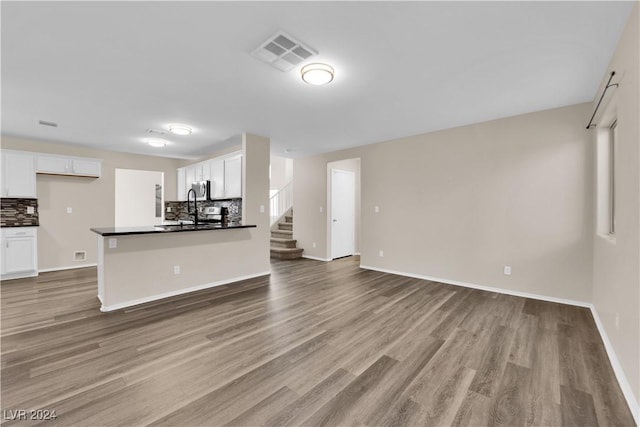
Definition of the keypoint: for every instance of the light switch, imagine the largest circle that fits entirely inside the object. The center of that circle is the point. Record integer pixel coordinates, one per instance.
(113, 243)
(69, 210)
(376, 209)
(261, 208)
(320, 209)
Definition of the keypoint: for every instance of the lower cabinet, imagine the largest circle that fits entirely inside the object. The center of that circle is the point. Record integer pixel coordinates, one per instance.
(19, 252)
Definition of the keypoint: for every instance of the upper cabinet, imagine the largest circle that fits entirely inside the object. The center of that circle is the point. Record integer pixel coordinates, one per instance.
(217, 178)
(64, 165)
(18, 174)
(225, 174)
(233, 177)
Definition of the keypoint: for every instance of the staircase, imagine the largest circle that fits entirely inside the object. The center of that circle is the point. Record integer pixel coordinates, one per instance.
(283, 245)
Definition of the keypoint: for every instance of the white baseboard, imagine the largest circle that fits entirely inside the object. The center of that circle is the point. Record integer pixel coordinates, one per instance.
(106, 308)
(316, 258)
(482, 287)
(627, 391)
(67, 267)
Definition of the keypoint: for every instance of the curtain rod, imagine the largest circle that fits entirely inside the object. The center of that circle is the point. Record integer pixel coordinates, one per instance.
(613, 73)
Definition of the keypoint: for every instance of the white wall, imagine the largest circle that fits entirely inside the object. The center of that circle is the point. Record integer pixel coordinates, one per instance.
(281, 172)
(616, 262)
(461, 204)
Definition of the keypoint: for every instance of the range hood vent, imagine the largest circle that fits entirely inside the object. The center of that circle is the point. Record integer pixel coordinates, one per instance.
(283, 51)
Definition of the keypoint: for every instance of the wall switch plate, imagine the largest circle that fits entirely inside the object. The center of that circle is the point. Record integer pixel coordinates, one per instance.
(313, 244)
(113, 243)
(381, 253)
(320, 209)
(69, 210)
(261, 208)
(376, 209)
(507, 270)
(176, 269)
(617, 321)
(30, 210)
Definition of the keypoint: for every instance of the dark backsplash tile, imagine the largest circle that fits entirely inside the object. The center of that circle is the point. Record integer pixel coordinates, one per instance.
(13, 212)
(179, 209)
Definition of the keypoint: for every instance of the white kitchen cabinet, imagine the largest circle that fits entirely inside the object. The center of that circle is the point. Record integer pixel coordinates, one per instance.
(53, 165)
(87, 167)
(190, 176)
(18, 174)
(233, 177)
(19, 252)
(217, 178)
(65, 165)
(182, 184)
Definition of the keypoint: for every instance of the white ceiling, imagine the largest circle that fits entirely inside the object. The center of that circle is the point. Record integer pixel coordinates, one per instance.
(107, 71)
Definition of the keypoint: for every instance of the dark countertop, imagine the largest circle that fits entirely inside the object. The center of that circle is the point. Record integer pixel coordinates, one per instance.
(124, 231)
(20, 225)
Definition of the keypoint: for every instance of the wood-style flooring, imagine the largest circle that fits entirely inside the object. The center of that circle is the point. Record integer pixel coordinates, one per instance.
(314, 344)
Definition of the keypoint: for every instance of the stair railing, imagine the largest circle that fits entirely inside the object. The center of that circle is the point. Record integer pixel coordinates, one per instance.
(281, 202)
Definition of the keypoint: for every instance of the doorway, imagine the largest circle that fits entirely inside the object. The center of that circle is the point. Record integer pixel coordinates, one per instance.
(343, 213)
(139, 198)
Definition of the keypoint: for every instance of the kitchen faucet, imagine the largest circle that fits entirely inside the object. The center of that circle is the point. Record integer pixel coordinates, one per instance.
(195, 206)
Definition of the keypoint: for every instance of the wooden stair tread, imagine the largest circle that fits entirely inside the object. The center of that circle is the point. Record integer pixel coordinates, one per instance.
(282, 240)
(286, 250)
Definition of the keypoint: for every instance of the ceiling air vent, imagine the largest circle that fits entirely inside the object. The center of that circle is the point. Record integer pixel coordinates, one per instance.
(283, 51)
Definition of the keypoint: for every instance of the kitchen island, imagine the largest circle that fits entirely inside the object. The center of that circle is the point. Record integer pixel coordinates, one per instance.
(142, 264)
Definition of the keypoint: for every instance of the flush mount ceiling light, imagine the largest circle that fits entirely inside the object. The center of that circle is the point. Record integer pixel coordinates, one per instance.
(317, 74)
(155, 142)
(178, 129)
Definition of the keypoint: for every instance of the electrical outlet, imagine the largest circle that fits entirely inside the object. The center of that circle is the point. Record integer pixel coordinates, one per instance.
(69, 210)
(313, 244)
(30, 210)
(376, 209)
(381, 253)
(168, 208)
(261, 208)
(507, 270)
(113, 243)
(617, 321)
(176, 269)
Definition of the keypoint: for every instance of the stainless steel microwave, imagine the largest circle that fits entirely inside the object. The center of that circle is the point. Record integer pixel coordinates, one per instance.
(202, 190)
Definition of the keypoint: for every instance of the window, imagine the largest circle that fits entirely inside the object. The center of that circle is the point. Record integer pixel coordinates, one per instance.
(613, 136)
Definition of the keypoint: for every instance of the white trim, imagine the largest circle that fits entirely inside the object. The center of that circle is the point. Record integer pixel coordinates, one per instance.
(483, 288)
(180, 292)
(67, 267)
(316, 258)
(627, 391)
(356, 253)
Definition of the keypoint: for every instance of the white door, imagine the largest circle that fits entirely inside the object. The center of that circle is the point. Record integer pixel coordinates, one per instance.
(139, 198)
(343, 213)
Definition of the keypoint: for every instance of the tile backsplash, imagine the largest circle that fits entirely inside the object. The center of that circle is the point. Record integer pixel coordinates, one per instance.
(13, 212)
(179, 209)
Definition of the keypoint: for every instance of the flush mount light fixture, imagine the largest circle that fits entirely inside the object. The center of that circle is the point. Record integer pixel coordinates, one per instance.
(155, 142)
(179, 129)
(317, 74)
